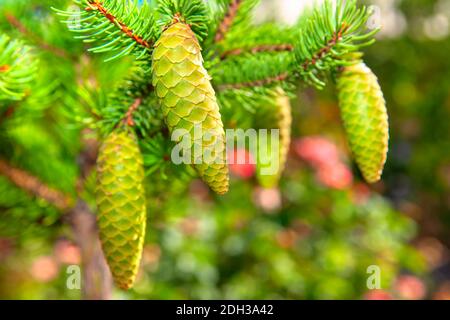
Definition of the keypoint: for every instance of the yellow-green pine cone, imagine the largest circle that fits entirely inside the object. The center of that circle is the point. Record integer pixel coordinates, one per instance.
(282, 109)
(364, 114)
(121, 205)
(188, 102)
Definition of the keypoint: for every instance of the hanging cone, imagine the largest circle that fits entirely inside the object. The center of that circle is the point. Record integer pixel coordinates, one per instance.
(188, 102)
(121, 205)
(363, 111)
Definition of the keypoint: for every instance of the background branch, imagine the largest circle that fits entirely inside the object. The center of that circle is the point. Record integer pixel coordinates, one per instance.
(258, 49)
(228, 20)
(96, 5)
(97, 281)
(34, 186)
(128, 120)
(256, 83)
(14, 22)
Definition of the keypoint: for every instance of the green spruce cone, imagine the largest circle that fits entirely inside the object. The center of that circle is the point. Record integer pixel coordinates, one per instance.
(282, 109)
(121, 205)
(364, 114)
(188, 102)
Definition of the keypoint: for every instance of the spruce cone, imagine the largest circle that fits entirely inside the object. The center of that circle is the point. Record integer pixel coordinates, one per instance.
(363, 111)
(188, 101)
(121, 205)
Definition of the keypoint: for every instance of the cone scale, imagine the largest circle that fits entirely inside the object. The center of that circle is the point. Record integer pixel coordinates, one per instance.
(364, 114)
(121, 205)
(189, 103)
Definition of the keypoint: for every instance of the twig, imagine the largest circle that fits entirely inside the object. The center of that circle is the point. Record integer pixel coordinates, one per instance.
(128, 120)
(35, 187)
(96, 5)
(256, 83)
(228, 20)
(258, 49)
(13, 21)
(337, 36)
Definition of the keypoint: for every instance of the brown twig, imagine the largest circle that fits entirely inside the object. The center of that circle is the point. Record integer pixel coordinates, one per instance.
(34, 186)
(13, 21)
(128, 120)
(256, 83)
(258, 49)
(228, 20)
(337, 36)
(96, 5)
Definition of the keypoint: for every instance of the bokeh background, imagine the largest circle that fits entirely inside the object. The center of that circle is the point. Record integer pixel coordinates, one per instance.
(313, 238)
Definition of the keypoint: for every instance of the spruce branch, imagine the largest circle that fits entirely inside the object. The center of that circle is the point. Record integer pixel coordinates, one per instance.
(128, 119)
(327, 35)
(121, 27)
(227, 21)
(258, 49)
(35, 186)
(336, 37)
(96, 5)
(256, 83)
(29, 35)
(262, 69)
(191, 12)
(18, 71)
(133, 103)
(231, 19)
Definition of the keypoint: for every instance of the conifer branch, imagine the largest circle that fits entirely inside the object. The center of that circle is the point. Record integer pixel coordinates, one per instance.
(328, 34)
(34, 186)
(258, 49)
(15, 22)
(128, 120)
(122, 27)
(97, 5)
(191, 12)
(12, 108)
(337, 36)
(18, 69)
(227, 21)
(257, 83)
